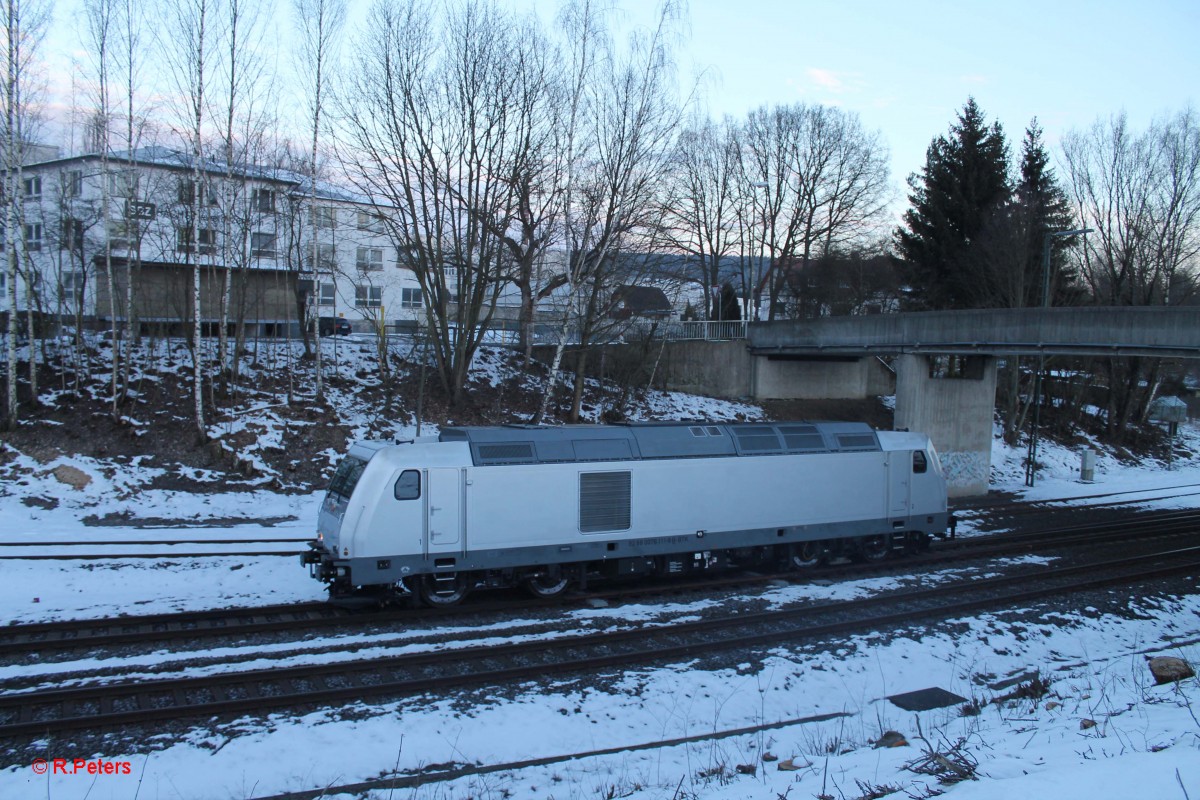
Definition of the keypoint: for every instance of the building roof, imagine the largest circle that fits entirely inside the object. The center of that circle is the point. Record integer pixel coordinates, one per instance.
(168, 158)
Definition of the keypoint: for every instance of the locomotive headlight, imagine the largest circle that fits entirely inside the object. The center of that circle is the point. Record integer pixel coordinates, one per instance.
(320, 537)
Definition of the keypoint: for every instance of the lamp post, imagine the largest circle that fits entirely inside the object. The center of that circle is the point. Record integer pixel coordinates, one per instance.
(1031, 458)
(756, 278)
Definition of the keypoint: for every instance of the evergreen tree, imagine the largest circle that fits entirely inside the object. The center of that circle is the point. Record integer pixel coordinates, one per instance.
(962, 187)
(728, 309)
(1044, 208)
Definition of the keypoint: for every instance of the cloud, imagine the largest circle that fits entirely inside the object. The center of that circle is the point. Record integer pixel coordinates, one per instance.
(826, 79)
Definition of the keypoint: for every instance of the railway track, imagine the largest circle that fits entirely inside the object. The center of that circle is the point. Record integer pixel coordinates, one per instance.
(142, 703)
(92, 550)
(1000, 512)
(232, 623)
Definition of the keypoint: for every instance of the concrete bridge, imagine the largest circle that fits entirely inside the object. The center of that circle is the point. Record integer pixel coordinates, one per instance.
(839, 357)
(1168, 332)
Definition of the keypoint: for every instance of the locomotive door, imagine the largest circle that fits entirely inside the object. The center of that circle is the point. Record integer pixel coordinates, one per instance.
(899, 465)
(444, 509)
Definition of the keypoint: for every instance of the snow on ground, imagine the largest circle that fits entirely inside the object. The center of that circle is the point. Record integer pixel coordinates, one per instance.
(1146, 741)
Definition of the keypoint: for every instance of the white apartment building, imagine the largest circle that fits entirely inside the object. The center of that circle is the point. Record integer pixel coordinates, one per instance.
(254, 233)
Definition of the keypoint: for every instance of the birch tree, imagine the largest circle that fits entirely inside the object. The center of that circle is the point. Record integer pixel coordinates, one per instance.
(192, 42)
(320, 25)
(25, 23)
(244, 113)
(102, 22)
(624, 111)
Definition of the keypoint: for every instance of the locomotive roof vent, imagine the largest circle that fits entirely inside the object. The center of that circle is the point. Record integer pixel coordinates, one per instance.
(504, 453)
(757, 439)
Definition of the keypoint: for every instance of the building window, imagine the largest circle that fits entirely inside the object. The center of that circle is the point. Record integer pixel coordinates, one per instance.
(72, 235)
(372, 223)
(73, 182)
(4, 284)
(185, 242)
(121, 235)
(262, 200)
(325, 216)
(73, 282)
(368, 296)
(123, 184)
(33, 187)
(33, 237)
(369, 259)
(187, 193)
(325, 294)
(410, 298)
(326, 257)
(262, 245)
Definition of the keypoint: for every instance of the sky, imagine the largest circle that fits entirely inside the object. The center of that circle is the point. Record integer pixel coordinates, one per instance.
(905, 67)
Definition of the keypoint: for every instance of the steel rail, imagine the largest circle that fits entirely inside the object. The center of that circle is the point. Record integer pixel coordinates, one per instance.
(136, 703)
(76, 634)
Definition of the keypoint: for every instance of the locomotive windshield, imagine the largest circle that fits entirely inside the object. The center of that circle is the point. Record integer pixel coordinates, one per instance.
(346, 477)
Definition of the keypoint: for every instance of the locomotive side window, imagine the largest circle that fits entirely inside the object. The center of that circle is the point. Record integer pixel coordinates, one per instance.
(408, 485)
(920, 463)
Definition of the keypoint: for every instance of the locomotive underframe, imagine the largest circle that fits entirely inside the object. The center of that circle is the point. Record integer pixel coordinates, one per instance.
(613, 558)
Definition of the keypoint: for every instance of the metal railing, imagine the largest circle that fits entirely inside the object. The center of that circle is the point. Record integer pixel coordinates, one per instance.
(718, 330)
(636, 329)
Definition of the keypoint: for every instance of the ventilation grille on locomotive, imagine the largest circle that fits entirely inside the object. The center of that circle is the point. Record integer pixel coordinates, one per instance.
(604, 501)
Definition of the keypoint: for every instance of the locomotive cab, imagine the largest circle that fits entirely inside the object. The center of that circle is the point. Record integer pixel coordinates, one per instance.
(388, 510)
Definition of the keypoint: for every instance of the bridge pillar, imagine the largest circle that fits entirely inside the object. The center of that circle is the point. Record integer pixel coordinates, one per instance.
(951, 400)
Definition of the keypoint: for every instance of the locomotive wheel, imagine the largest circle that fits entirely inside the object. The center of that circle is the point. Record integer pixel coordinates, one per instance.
(550, 583)
(874, 548)
(809, 554)
(444, 593)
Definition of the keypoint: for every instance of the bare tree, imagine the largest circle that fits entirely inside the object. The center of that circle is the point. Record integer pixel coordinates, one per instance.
(25, 23)
(130, 55)
(703, 206)
(101, 22)
(624, 114)
(241, 126)
(434, 127)
(825, 185)
(320, 24)
(1140, 195)
(191, 45)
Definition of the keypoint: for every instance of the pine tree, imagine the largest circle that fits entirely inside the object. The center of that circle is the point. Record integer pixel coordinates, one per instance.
(1044, 208)
(963, 185)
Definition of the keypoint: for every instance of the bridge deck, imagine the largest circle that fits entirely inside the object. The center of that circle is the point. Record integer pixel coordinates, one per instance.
(1169, 332)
